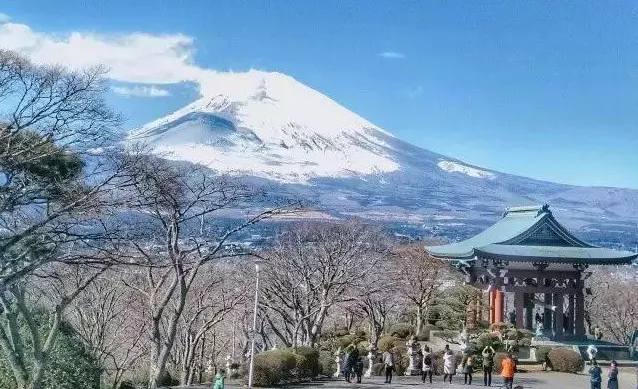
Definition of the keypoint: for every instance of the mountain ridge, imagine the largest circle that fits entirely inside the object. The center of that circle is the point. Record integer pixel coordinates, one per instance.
(272, 128)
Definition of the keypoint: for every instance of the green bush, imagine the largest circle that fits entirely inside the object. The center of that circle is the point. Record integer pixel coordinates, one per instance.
(541, 354)
(127, 385)
(565, 360)
(327, 365)
(487, 339)
(310, 367)
(274, 366)
(386, 343)
(70, 364)
(402, 330)
(303, 369)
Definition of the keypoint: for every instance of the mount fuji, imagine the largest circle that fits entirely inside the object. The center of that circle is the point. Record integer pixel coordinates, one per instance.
(272, 129)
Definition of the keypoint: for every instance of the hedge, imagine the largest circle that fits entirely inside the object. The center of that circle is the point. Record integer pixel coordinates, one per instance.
(310, 367)
(283, 365)
(327, 364)
(541, 354)
(565, 360)
(402, 330)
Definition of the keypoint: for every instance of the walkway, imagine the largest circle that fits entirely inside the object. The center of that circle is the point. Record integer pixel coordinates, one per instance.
(540, 380)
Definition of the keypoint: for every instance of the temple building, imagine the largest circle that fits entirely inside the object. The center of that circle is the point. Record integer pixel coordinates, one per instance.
(531, 256)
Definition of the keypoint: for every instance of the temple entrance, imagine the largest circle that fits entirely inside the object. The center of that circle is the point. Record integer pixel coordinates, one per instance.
(532, 271)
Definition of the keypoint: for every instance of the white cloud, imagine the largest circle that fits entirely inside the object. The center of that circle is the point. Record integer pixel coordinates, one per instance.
(136, 57)
(4, 18)
(391, 55)
(140, 91)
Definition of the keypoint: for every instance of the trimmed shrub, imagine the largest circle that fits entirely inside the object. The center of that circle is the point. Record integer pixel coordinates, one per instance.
(565, 360)
(327, 365)
(127, 385)
(541, 354)
(302, 368)
(310, 367)
(274, 366)
(488, 339)
(386, 343)
(378, 369)
(402, 330)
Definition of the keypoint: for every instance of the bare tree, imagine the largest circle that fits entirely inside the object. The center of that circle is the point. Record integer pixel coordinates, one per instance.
(111, 322)
(377, 302)
(420, 278)
(314, 267)
(613, 305)
(210, 300)
(176, 232)
(50, 196)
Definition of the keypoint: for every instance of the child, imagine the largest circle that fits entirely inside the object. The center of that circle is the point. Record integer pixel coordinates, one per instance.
(219, 379)
(595, 375)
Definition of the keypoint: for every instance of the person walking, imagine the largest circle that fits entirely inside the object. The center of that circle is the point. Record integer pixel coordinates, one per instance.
(508, 367)
(348, 363)
(388, 361)
(488, 365)
(219, 379)
(426, 369)
(449, 365)
(358, 369)
(468, 368)
(612, 377)
(595, 375)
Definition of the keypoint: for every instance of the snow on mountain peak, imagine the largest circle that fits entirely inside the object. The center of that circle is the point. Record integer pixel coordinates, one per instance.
(455, 167)
(270, 125)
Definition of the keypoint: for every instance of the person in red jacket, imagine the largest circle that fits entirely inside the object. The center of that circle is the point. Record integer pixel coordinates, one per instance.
(508, 367)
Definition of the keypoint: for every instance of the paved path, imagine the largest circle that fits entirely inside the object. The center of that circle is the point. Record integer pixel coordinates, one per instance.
(539, 380)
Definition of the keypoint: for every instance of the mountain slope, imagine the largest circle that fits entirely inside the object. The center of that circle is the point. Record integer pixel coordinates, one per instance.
(272, 128)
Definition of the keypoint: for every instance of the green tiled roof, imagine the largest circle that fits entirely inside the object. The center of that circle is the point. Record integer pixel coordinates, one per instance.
(530, 233)
(558, 254)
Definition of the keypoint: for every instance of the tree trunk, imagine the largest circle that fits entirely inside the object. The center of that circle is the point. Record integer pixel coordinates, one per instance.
(419, 319)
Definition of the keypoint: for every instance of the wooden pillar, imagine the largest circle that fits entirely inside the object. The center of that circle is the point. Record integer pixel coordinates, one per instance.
(519, 307)
(547, 312)
(579, 322)
(529, 311)
(571, 313)
(559, 300)
(492, 298)
(498, 306)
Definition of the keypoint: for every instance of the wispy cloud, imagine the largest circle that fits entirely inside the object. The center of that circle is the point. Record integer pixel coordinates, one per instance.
(415, 92)
(140, 91)
(4, 18)
(391, 55)
(138, 58)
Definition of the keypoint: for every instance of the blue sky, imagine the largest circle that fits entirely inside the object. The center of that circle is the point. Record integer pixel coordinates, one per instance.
(546, 90)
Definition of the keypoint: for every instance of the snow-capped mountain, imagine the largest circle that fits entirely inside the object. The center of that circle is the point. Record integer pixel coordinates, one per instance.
(275, 129)
(269, 125)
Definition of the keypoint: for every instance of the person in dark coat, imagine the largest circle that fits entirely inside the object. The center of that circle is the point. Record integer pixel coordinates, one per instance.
(352, 355)
(358, 369)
